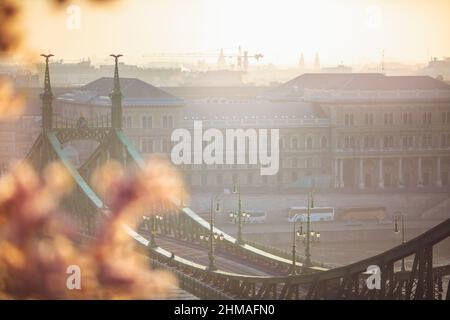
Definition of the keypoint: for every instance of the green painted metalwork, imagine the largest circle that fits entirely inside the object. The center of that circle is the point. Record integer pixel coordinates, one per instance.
(79, 181)
(116, 97)
(47, 97)
(314, 282)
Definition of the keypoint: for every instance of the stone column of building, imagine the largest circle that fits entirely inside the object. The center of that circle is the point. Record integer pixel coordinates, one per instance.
(438, 172)
(336, 173)
(361, 173)
(380, 174)
(341, 182)
(400, 173)
(419, 173)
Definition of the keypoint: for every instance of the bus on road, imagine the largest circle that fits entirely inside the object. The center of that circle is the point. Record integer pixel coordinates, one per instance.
(316, 214)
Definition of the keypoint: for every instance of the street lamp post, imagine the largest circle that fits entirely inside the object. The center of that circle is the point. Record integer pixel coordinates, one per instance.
(214, 199)
(308, 230)
(309, 237)
(156, 221)
(295, 234)
(237, 189)
(398, 215)
(239, 219)
(209, 240)
(150, 223)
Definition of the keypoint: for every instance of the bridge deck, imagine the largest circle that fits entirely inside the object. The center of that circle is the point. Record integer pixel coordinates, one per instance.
(199, 254)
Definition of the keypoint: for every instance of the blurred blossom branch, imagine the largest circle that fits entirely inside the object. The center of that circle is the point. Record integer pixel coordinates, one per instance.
(11, 30)
(12, 42)
(36, 247)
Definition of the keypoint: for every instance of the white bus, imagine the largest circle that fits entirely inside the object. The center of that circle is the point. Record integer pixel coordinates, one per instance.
(256, 216)
(316, 214)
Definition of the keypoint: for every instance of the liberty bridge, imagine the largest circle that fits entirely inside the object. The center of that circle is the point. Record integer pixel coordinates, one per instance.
(230, 268)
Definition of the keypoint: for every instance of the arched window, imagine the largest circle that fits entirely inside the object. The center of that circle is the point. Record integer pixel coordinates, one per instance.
(309, 143)
(294, 143)
(147, 146)
(324, 143)
(165, 146)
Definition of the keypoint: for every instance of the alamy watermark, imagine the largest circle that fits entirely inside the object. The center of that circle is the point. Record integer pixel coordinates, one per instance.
(374, 280)
(73, 21)
(73, 281)
(238, 146)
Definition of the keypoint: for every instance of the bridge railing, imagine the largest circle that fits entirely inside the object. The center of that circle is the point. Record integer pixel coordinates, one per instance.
(192, 285)
(282, 253)
(346, 281)
(190, 225)
(102, 121)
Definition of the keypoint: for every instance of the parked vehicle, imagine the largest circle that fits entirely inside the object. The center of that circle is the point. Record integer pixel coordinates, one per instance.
(363, 214)
(316, 214)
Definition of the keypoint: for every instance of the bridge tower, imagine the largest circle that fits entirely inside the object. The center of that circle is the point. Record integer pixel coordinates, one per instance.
(47, 97)
(116, 96)
(83, 202)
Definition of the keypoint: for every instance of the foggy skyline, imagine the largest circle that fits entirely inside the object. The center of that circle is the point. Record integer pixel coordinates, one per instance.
(349, 32)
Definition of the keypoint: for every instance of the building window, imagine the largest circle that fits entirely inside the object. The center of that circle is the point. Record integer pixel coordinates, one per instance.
(388, 141)
(127, 122)
(165, 145)
(388, 118)
(147, 122)
(445, 140)
(294, 163)
(167, 122)
(369, 142)
(426, 118)
(407, 142)
(309, 143)
(445, 117)
(294, 143)
(407, 118)
(147, 146)
(348, 119)
(368, 119)
(294, 176)
(427, 140)
(324, 143)
(349, 142)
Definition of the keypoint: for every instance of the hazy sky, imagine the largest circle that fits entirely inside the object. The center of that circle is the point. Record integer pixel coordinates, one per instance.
(348, 31)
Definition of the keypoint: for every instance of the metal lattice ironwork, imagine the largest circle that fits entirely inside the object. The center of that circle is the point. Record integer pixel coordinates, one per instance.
(423, 281)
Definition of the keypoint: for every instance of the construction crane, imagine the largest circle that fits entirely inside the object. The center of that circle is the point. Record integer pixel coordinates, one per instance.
(242, 59)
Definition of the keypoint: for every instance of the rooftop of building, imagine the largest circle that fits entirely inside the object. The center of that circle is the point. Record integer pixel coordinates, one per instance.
(215, 92)
(318, 86)
(253, 110)
(135, 93)
(364, 81)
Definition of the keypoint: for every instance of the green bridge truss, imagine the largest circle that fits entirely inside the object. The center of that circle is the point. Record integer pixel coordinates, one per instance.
(423, 281)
